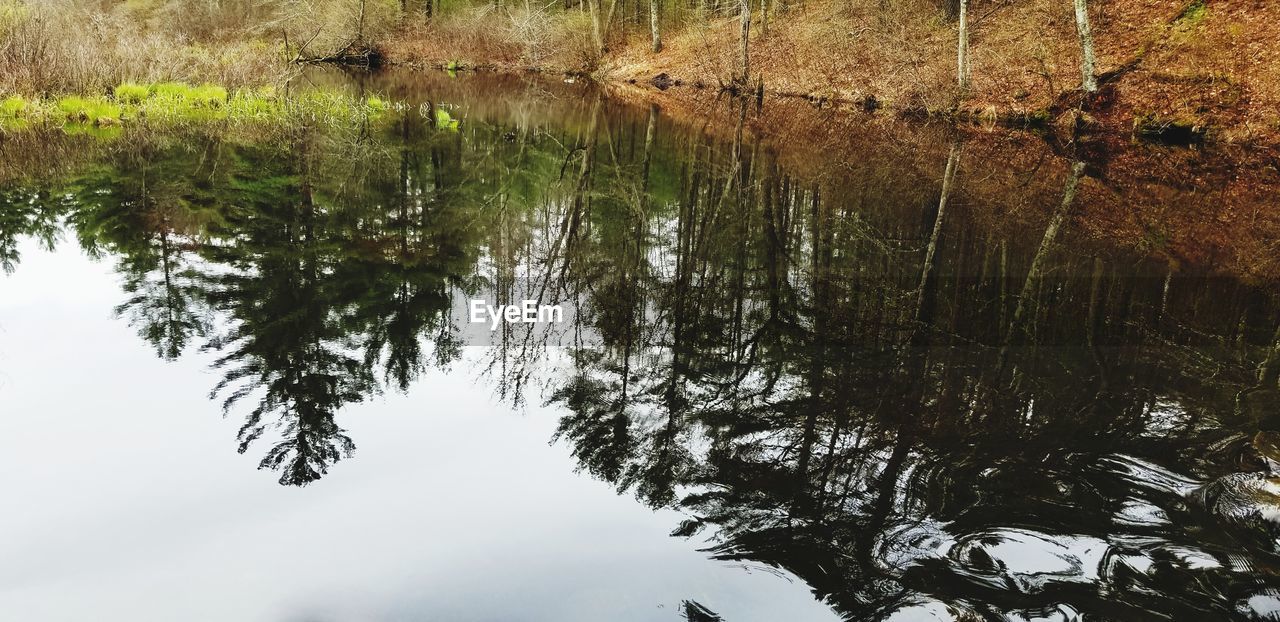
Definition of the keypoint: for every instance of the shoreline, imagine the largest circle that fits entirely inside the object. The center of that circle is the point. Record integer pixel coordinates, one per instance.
(1083, 129)
(1180, 72)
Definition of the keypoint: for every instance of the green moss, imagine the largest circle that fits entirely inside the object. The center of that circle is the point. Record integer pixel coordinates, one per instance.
(1193, 14)
(73, 106)
(1039, 117)
(1188, 21)
(208, 95)
(101, 132)
(13, 112)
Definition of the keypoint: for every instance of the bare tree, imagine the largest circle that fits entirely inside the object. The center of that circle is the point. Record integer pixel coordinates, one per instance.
(745, 11)
(601, 21)
(1087, 58)
(962, 53)
(653, 25)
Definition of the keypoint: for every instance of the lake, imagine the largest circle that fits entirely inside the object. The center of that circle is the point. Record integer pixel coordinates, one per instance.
(808, 366)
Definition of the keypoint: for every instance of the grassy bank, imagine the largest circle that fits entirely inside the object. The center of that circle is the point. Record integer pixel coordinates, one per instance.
(1178, 70)
(171, 104)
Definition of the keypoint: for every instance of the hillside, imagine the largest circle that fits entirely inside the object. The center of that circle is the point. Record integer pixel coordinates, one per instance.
(1176, 70)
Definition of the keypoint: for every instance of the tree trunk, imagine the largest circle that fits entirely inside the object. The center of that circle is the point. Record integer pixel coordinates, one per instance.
(601, 22)
(1037, 262)
(360, 25)
(653, 25)
(948, 178)
(1087, 59)
(962, 53)
(651, 130)
(745, 9)
(596, 34)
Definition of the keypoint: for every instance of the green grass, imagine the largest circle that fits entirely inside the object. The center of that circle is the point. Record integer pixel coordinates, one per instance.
(445, 121)
(175, 103)
(131, 93)
(181, 93)
(14, 111)
(12, 107)
(96, 110)
(208, 95)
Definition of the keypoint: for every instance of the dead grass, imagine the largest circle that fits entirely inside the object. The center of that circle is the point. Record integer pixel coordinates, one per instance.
(1221, 68)
(86, 46)
(48, 48)
(1022, 54)
(505, 38)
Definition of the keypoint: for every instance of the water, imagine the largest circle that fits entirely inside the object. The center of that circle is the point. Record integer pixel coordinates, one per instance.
(793, 382)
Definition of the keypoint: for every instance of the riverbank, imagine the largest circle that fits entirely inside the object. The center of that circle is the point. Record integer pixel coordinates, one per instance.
(1179, 71)
(1175, 71)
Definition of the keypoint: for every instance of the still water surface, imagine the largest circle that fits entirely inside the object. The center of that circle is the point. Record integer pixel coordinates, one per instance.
(238, 382)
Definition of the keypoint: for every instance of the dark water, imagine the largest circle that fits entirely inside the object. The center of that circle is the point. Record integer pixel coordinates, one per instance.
(791, 384)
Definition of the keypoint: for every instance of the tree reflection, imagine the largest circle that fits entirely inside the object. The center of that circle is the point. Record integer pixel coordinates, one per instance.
(903, 411)
(848, 375)
(309, 290)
